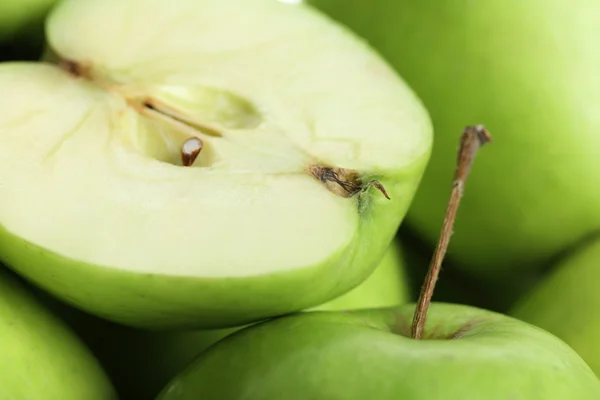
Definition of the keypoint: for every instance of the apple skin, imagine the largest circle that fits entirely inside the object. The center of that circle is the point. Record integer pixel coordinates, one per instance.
(141, 362)
(567, 303)
(181, 302)
(363, 354)
(527, 70)
(387, 286)
(41, 357)
(19, 15)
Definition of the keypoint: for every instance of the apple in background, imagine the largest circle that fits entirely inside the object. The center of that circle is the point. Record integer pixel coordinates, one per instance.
(40, 357)
(141, 362)
(454, 288)
(467, 354)
(230, 164)
(528, 70)
(387, 286)
(17, 16)
(22, 28)
(567, 303)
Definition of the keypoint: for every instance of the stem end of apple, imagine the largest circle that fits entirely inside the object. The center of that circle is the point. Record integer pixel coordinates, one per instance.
(473, 137)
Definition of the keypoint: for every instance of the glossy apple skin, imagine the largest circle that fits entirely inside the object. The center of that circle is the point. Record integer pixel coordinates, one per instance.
(567, 303)
(141, 362)
(40, 357)
(358, 355)
(527, 70)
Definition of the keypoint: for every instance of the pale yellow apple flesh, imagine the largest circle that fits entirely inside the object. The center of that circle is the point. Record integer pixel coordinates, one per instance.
(304, 132)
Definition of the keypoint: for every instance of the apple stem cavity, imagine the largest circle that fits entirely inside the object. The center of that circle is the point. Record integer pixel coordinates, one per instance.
(472, 139)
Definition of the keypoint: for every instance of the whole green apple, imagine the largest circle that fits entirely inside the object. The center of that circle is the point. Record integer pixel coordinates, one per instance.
(141, 362)
(528, 70)
(230, 164)
(40, 358)
(567, 303)
(467, 354)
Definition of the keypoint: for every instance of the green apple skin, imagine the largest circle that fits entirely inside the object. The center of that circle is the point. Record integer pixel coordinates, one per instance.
(41, 357)
(366, 354)
(19, 15)
(387, 286)
(158, 299)
(141, 362)
(167, 302)
(567, 303)
(527, 70)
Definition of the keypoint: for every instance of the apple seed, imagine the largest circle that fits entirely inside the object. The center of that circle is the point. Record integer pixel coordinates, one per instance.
(190, 150)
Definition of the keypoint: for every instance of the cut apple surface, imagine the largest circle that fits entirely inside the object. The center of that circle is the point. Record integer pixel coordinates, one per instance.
(203, 163)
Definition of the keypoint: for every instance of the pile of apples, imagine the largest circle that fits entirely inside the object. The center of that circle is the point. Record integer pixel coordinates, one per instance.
(238, 200)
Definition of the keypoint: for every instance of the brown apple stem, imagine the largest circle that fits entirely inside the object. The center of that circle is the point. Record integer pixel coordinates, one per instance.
(471, 140)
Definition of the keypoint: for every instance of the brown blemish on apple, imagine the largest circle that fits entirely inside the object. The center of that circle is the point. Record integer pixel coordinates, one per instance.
(343, 182)
(76, 69)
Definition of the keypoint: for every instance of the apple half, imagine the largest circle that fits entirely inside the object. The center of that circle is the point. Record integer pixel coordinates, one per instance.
(203, 164)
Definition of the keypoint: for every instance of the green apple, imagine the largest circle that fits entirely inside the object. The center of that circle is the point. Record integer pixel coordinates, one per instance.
(19, 15)
(40, 357)
(387, 286)
(528, 70)
(468, 354)
(203, 164)
(141, 362)
(567, 303)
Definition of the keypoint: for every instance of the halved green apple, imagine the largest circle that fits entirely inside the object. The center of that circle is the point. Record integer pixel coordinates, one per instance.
(203, 164)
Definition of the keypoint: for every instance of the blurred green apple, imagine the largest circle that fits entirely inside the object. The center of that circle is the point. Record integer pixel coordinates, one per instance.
(387, 286)
(22, 28)
(19, 15)
(228, 165)
(141, 362)
(528, 70)
(567, 303)
(468, 354)
(40, 358)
